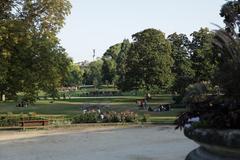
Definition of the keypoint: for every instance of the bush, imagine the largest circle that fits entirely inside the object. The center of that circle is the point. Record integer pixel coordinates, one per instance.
(9, 121)
(128, 117)
(85, 118)
(108, 117)
(111, 117)
(120, 117)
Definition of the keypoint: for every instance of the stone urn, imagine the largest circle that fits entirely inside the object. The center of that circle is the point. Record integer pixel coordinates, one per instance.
(214, 144)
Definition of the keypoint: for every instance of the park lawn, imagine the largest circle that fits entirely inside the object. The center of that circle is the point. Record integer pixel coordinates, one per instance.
(42, 107)
(74, 106)
(162, 120)
(66, 108)
(124, 99)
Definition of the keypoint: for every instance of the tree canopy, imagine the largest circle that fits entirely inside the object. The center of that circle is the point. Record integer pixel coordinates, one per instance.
(149, 61)
(31, 56)
(202, 55)
(182, 67)
(230, 11)
(92, 73)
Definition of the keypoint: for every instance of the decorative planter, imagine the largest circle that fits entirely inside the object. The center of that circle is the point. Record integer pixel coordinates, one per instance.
(214, 144)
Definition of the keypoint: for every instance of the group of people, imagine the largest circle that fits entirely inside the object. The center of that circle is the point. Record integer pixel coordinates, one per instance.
(143, 104)
(22, 104)
(161, 108)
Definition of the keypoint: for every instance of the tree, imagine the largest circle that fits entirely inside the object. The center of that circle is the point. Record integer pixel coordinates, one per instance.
(112, 52)
(149, 61)
(227, 44)
(121, 63)
(109, 63)
(202, 55)
(114, 62)
(93, 73)
(230, 11)
(227, 75)
(74, 76)
(31, 57)
(182, 67)
(108, 71)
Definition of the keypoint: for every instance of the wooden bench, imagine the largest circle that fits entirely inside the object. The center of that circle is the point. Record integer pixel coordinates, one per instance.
(33, 123)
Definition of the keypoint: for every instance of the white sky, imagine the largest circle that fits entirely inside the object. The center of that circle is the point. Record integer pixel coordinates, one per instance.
(98, 24)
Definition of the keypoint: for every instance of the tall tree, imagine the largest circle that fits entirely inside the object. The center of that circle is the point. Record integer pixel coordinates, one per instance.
(74, 76)
(149, 61)
(112, 52)
(114, 62)
(182, 67)
(121, 63)
(230, 11)
(31, 57)
(202, 55)
(108, 71)
(93, 73)
(109, 63)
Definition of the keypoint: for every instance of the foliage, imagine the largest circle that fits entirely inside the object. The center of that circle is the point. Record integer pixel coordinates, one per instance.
(112, 117)
(112, 52)
(220, 112)
(148, 61)
(114, 63)
(230, 11)
(10, 119)
(74, 76)
(196, 93)
(85, 118)
(227, 76)
(182, 67)
(108, 71)
(92, 74)
(109, 64)
(108, 117)
(31, 58)
(128, 116)
(120, 117)
(202, 55)
(121, 63)
(215, 112)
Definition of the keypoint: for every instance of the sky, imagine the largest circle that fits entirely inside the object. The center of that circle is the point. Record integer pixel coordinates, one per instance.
(99, 24)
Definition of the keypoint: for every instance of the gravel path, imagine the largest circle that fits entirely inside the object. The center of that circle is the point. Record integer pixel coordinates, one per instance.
(150, 143)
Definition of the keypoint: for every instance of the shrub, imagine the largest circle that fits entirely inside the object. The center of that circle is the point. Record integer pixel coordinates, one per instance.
(128, 116)
(120, 117)
(111, 117)
(85, 118)
(9, 121)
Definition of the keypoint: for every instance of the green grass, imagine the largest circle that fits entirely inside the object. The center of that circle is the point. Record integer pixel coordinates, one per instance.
(163, 120)
(44, 107)
(117, 99)
(118, 104)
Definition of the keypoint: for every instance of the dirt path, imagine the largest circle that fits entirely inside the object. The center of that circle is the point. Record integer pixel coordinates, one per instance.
(13, 135)
(147, 143)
